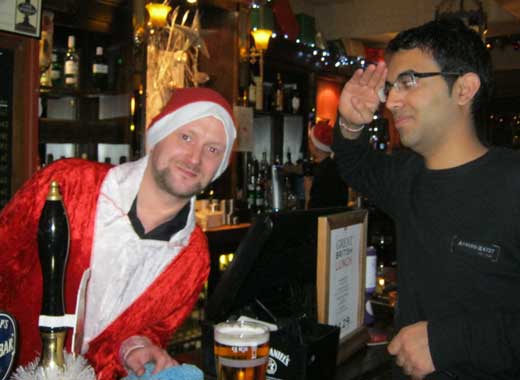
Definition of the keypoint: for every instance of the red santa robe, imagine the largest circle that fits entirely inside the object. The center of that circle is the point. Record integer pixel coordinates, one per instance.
(155, 313)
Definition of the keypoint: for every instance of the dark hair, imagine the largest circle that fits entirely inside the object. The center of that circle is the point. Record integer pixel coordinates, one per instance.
(456, 48)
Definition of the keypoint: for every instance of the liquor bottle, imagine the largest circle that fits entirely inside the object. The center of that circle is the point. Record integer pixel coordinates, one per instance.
(371, 270)
(259, 94)
(100, 70)
(56, 71)
(278, 93)
(290, 195)
(264, 165)
(370, 283)
(242, 99)
(289, 159)
(251, 185)
(252, 93)
(71, 64)
(264, 173)
(260, 192)
(295, 100)
(243, 83)
(53, 249)
(299, 186)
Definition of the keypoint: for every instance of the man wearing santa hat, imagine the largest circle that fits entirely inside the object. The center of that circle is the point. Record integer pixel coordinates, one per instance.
(133, 225)
(325, 188)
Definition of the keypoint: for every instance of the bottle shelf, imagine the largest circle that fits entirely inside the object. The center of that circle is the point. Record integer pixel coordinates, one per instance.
(60, 92)
(276, 113)
(114, 130)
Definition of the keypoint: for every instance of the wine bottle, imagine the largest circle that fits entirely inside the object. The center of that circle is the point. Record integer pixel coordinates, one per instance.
(251, 185)
(56, 71)
(252, 93)
(278, 93)
(100, 70)
(259, 94)
(71, 64)
(260, 192)
(53, 249)
(295, 100)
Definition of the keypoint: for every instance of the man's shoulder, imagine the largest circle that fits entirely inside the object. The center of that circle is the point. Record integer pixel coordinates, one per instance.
(70, 166)
(407, 158)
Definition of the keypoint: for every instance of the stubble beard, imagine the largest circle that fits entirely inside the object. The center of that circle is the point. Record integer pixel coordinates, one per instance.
(165, 182)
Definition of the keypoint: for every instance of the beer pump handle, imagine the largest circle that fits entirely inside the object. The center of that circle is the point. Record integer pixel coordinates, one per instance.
(53, 248)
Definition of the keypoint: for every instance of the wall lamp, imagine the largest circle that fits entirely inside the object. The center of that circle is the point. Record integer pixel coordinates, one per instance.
(158, 14)
(261, 24)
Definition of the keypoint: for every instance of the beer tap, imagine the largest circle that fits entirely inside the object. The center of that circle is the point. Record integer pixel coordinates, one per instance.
(53, 246)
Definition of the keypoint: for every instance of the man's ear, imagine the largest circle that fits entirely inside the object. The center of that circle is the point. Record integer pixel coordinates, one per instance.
(466, 86)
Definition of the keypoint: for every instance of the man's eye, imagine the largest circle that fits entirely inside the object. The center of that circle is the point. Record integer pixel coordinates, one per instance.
(186, 137)
(214, 150)
(407, 82)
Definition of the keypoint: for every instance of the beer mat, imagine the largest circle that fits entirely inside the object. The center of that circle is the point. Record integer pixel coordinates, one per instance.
(180, 372)
(377, 337)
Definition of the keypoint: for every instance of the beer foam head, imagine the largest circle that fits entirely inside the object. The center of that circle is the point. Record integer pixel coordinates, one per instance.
(241, 334)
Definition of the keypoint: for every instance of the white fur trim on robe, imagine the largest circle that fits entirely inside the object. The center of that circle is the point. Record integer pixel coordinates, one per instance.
(122, 264)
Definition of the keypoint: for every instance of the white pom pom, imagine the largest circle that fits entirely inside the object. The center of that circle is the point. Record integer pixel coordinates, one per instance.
(76, 368)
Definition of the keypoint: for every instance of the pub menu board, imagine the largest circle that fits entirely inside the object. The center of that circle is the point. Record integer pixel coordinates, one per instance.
(6, 105)
(21, 17)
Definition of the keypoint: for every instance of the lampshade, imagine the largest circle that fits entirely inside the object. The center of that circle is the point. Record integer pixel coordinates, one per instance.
(158, 13)
(261, 22)
(261, 37)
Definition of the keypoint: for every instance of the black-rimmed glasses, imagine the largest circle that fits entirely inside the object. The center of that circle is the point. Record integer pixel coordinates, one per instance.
(407, 80)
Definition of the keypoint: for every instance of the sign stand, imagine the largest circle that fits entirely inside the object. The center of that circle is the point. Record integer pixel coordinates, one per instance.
(342, 240)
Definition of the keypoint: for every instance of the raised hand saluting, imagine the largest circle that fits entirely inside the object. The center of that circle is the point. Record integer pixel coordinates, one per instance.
(359, 98)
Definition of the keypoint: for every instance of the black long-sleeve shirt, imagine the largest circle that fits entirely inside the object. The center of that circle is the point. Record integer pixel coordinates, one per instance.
(458, 252)
(328, 189)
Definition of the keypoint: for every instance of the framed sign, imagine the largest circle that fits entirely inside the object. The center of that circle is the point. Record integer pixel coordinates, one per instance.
(21, 17)
(8, 344)
(342, 240)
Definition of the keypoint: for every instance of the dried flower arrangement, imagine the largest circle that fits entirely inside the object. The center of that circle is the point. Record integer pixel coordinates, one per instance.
(172, 57)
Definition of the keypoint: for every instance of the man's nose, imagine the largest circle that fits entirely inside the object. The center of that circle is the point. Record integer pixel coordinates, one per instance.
(394, 99)
(195, 155)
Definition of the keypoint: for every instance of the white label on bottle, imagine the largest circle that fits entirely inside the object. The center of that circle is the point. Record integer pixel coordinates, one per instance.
(371, 272)
(295, 103)
(71, 68)
(99, 68)
(252, 93)
(55, 74)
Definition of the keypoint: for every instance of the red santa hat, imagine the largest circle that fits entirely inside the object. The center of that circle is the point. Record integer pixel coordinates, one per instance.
(321, 135)
(187, 105)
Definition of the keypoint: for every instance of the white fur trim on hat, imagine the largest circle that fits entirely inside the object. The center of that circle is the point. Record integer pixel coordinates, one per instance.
(188, 113)
(317, 143)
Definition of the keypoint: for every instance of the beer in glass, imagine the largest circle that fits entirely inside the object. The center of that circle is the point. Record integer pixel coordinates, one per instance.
(241, 350)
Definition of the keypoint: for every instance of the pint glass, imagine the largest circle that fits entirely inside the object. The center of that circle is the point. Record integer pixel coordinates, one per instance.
(241, 350)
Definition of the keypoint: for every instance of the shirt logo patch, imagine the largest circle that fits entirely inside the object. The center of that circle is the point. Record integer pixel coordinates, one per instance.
(487, 251)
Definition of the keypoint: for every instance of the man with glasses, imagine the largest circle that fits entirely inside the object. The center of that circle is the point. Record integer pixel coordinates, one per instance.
(454, 201)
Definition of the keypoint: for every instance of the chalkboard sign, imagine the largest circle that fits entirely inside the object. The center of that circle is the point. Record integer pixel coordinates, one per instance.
(6, 110)
(8, 344)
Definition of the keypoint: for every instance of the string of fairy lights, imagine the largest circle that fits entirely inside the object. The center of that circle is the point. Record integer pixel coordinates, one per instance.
(320, 57)
(501, 42)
